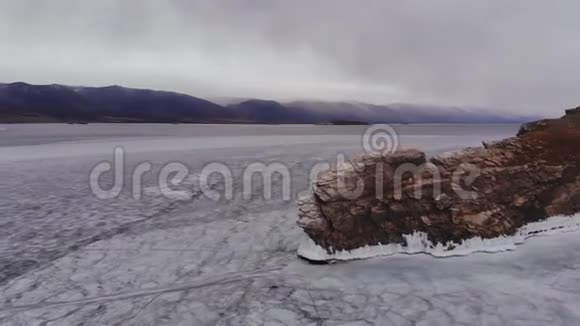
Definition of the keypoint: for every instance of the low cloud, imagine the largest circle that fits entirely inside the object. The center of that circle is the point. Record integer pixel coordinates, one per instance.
(519, 55)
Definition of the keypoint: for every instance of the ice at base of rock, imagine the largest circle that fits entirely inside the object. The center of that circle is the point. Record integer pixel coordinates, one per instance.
(418, 243)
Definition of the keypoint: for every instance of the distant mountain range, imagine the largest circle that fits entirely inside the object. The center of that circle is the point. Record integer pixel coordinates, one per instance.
(21, 102)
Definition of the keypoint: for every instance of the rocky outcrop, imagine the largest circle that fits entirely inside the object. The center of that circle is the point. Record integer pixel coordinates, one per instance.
(480, 192)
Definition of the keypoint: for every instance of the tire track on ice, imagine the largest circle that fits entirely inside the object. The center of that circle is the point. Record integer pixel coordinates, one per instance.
(223, 279)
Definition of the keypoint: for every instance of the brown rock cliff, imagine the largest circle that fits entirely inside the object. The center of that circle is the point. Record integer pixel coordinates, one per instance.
(486, 192)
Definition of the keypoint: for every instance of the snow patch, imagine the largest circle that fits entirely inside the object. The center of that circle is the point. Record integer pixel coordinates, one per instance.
(418, 243)
(453, 153)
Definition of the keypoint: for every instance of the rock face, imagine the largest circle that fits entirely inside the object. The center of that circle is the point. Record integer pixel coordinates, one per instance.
(480, 192)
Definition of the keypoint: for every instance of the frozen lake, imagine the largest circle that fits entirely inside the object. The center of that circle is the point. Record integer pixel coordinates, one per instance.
(69, 258)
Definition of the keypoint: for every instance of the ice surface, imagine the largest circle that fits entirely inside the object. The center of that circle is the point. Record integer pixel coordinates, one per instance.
(418, 243)
(68, 258)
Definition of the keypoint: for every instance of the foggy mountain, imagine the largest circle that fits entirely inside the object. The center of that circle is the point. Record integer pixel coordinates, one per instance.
(21, 102)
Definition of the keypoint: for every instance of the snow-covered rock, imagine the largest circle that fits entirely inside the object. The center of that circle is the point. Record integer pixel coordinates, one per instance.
(389, 203)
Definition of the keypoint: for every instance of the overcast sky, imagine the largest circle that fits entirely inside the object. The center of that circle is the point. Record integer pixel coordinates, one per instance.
(518, 55)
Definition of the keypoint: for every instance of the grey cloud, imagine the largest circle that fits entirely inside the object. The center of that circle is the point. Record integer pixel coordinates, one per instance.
(518, 55)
